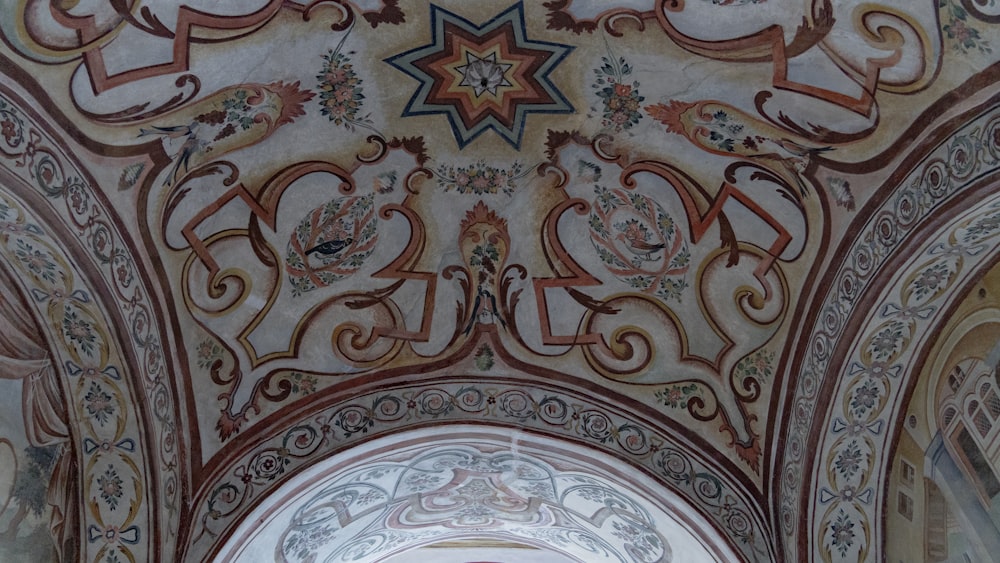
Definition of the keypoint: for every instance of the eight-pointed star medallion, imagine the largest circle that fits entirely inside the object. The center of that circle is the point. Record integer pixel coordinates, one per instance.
(483, 77)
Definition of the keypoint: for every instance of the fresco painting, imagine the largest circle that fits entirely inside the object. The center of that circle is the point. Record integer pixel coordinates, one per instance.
(738, 246)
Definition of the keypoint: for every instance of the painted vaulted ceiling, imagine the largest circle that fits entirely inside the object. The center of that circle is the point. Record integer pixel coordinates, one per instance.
(572, 280)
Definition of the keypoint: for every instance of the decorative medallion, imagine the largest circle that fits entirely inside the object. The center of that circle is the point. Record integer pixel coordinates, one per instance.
(639, 242)
(483, 77)
(331, 243)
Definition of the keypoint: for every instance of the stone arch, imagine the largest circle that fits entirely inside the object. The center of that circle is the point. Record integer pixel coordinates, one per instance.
(307, 439)
(420, 488)
(82, 282)
(931, 237)
(850, 478)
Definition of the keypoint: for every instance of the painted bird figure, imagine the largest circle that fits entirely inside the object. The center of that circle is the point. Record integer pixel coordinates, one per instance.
(484, 310)
(330, 247)
(191, 145)
(228, 120)
(638, 246)
(724, 130)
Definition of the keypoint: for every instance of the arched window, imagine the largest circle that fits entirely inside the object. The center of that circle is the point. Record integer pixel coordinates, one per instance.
(992, 401)
(956, 378)
(982, 423)
(981, 398)
(970, 419)
(948, 416)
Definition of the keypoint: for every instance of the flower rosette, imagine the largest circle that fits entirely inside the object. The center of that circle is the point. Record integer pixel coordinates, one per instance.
(11, 129)
(596, 425)
(77, 197)
(268, 464)
(354, 419)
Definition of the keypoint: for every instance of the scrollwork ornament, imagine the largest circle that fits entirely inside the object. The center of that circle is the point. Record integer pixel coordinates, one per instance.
(302, 440)
(354, 419)
(871, 379)
(268, 465)
(389, 408)
(937, 179)
(554, 410)
(32, 153)
(517, 404)
(469, 399)
(707, 487)
(435, 403)
(962, 156)
(991, 139)
(674, 464)
(634, 439)
(596, 425)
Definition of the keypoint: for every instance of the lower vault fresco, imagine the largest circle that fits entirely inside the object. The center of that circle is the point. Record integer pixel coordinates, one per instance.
(415, 489)
(706, 245)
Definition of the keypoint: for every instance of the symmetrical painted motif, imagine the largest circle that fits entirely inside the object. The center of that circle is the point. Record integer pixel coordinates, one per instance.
(639, 242)
(465, 491)
(414, 489)
(259, 472)
(847, 528)
(483, 77)
(331, 243)
(666, 229)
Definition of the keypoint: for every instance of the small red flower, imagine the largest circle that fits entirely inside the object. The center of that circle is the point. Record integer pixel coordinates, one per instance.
(8, 130)
(335, 76)
(343, 94)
